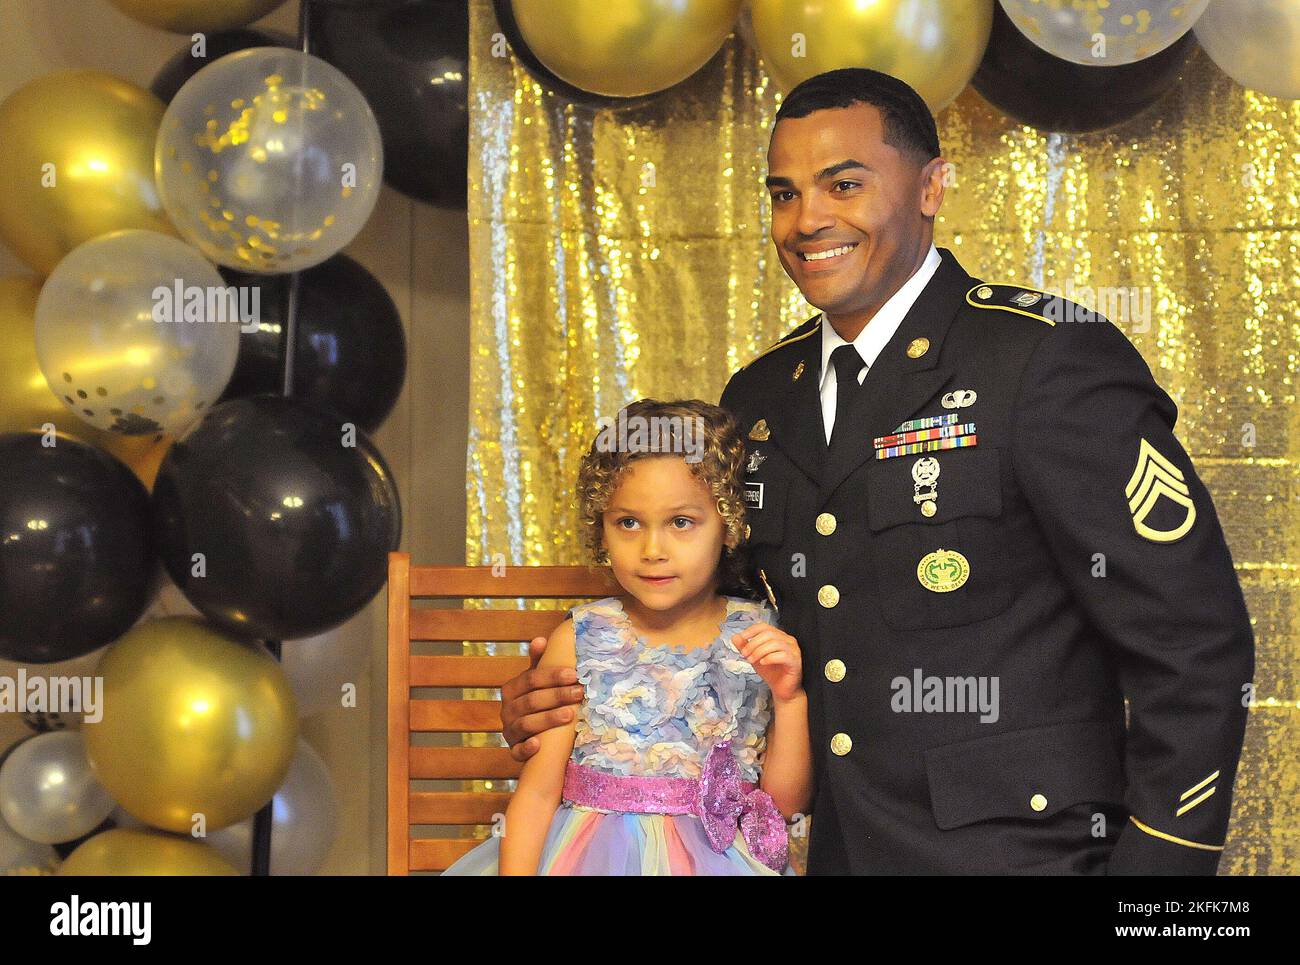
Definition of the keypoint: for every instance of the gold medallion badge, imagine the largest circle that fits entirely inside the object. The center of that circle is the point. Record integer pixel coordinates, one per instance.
(942, 571)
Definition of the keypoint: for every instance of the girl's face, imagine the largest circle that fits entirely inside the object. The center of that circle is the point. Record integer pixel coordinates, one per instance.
(664, 533)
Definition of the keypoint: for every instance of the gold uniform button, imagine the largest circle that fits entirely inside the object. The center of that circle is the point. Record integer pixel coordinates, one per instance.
(828, 596)
(825, 523)
(1038, 802)
(841, 744)
(984, 291)
(835, 671)
(917, 347)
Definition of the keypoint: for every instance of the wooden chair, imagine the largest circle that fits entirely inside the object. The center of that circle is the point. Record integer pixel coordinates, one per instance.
(407, 716)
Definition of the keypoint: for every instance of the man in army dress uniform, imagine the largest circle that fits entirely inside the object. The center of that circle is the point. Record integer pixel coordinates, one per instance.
(968, 505)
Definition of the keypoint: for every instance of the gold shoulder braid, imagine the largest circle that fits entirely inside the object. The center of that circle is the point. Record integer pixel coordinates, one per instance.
(794, 336)
(1023, 301)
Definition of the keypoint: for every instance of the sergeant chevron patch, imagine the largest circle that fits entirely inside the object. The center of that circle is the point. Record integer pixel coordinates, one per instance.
(1153, 477)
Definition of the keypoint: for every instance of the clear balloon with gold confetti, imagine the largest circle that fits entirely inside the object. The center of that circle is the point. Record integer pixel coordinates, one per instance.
(269, 160)
(137, 334)
(26, 399)
(1104, 33)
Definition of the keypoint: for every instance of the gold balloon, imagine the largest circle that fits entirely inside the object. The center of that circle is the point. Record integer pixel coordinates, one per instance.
(142, 456)
(130, 851)
(195, 722)
(26, 401)
(934, 45)
(77, 163)
(625, 48)
(187, 16)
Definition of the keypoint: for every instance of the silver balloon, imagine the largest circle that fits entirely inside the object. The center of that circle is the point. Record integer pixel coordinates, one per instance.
(305, 815)
(48, 792)
(317, 668)
(18, 853)
(1104, 33)
(269, 160)
(1256, 43)
(136, 334)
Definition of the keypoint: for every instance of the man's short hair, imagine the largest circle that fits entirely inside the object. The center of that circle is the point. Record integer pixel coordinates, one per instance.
(909, 125)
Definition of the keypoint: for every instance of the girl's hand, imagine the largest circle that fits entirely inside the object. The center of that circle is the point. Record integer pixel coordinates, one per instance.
(775, 655)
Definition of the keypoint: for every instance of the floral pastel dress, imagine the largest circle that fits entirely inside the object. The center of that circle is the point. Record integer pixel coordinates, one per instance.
(652, 711)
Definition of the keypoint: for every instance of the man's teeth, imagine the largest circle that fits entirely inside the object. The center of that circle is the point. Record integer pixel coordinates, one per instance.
(820, 255)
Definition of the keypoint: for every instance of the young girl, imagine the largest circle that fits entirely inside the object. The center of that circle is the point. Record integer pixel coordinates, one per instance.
(690, 751)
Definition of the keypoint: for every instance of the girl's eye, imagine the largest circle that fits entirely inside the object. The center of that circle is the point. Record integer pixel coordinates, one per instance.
(684, 519)
(625, 519)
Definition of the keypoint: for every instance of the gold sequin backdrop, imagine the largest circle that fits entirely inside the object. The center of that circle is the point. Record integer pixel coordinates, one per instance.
(622, 253)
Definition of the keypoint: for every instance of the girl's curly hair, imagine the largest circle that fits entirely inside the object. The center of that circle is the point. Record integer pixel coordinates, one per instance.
(720, 451)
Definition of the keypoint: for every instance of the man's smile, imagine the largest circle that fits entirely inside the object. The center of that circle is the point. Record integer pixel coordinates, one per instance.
(825, 259)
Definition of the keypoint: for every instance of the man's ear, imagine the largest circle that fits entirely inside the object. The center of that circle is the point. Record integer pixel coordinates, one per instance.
(935, 178)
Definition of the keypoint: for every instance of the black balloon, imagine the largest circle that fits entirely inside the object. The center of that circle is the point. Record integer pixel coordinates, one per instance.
(542, 74)
(1034, 87)
(411, 61)
(293, 523)
(350, 349)
(76, 570)
(185, 65)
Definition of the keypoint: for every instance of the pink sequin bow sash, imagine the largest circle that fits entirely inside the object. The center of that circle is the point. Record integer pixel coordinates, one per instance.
(719, 798)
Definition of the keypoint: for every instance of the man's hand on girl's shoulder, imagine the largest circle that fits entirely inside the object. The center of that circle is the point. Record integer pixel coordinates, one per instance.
(537, 700)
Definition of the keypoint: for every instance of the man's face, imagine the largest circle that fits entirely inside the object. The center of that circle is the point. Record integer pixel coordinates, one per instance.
(835, 184)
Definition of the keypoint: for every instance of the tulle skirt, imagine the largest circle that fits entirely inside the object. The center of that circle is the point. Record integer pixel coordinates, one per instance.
(583, 841)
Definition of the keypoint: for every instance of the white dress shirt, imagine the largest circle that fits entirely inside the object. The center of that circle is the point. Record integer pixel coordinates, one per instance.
(874, 336)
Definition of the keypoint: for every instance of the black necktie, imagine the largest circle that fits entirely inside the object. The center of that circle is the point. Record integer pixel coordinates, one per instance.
(848, 363)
